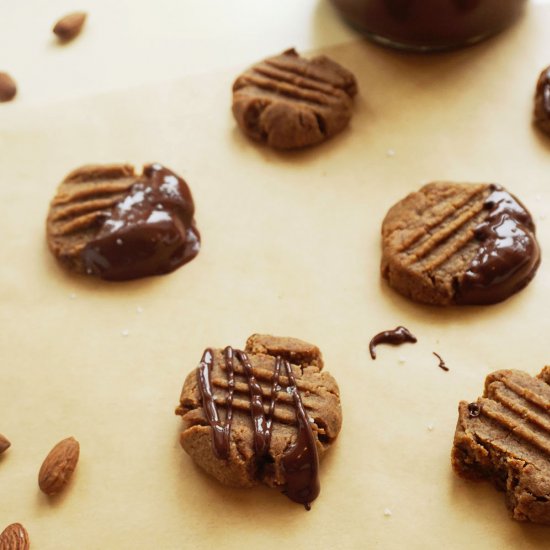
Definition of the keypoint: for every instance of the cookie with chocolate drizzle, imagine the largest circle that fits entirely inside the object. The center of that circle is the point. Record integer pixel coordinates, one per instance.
(265, 414)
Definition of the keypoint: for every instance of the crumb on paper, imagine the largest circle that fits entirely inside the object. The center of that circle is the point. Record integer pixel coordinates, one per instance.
(401, 360)
(139, 309)
(72, 295)
(430, 427)
(387, 512)
(390, 153)
(125, 332)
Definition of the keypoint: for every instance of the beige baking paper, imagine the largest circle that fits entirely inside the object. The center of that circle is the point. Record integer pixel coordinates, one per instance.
(290, 247)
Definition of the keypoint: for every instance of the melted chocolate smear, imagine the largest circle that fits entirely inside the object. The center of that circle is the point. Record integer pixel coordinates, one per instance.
(508, 255)
(473, 410)
(150, 232)
(442, 364)
(394, 337)
(301, 461)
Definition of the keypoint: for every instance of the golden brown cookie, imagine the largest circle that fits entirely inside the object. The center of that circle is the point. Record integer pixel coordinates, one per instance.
(108, 221)
(289, 102)
(504, 437)
(262, 415)
(459, 243)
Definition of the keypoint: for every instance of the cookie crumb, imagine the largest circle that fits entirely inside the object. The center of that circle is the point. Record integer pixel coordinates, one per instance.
(387, 512)
(401, 360)
(430, 427)
(125, 332)
(139, 309)
(390, 153)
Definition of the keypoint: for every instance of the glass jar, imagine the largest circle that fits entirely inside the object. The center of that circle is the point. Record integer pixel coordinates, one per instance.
(426, 25)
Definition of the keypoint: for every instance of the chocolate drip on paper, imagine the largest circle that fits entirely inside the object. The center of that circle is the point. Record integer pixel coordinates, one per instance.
(441, 364)
(393, 337)
(508, 255)
(301, 461)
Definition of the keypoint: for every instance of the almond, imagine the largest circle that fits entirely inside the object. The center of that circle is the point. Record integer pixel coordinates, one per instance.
(4, 444)
(8, 88)
(14, 537)
(58, 466)
(69, 27)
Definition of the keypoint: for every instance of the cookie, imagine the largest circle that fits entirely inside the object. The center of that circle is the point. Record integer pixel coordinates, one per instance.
(504, 437)
(541, 115)
(289, 102)
(262, 415)
(459, 243)
(108, 221)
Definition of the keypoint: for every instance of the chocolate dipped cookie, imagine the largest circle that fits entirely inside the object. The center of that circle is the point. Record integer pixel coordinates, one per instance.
(459, 243)
(265, 414)
(110, 222)
(504, 438)
(288, 101)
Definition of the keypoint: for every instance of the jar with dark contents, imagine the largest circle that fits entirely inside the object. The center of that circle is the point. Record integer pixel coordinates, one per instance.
(428, 25)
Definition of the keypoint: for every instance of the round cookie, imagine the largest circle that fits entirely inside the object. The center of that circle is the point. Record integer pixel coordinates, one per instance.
(459, 243)
(262, 415)
(108, 221)
(289, 102)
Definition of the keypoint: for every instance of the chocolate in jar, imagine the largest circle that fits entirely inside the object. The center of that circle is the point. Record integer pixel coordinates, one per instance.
(426, 25)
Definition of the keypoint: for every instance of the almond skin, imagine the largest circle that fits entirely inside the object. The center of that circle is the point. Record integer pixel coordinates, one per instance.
(8, 88)
(69, 27)
(4, 445)
(14, 537)
(58, 466)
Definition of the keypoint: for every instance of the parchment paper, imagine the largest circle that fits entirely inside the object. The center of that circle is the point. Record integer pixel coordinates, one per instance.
(290, 247)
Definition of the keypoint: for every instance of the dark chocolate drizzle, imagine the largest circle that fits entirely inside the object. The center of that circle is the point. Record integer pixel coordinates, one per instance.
(301, 461)
(441, 364)
(508, 255)
(474, 410)
(150, 232)
(394, 337)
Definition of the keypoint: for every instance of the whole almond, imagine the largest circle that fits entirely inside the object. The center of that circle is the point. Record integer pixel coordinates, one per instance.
(14, 537)
(8, 88)
(4, 445)
(69, 27)
(58, 466)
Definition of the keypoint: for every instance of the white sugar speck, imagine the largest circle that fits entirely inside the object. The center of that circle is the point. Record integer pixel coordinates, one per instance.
(139, 309)
(89, 271)
(125, 332)
(119, 241)
(72, 295)
(430, 427)
(401, 360)
(390, 153)
(387, 512)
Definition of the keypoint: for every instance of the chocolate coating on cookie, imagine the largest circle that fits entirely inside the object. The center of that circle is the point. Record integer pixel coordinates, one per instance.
(289, 102)
(109, 222)
(456, 243)
(541, 115)
(508, 254)
(262, 415)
